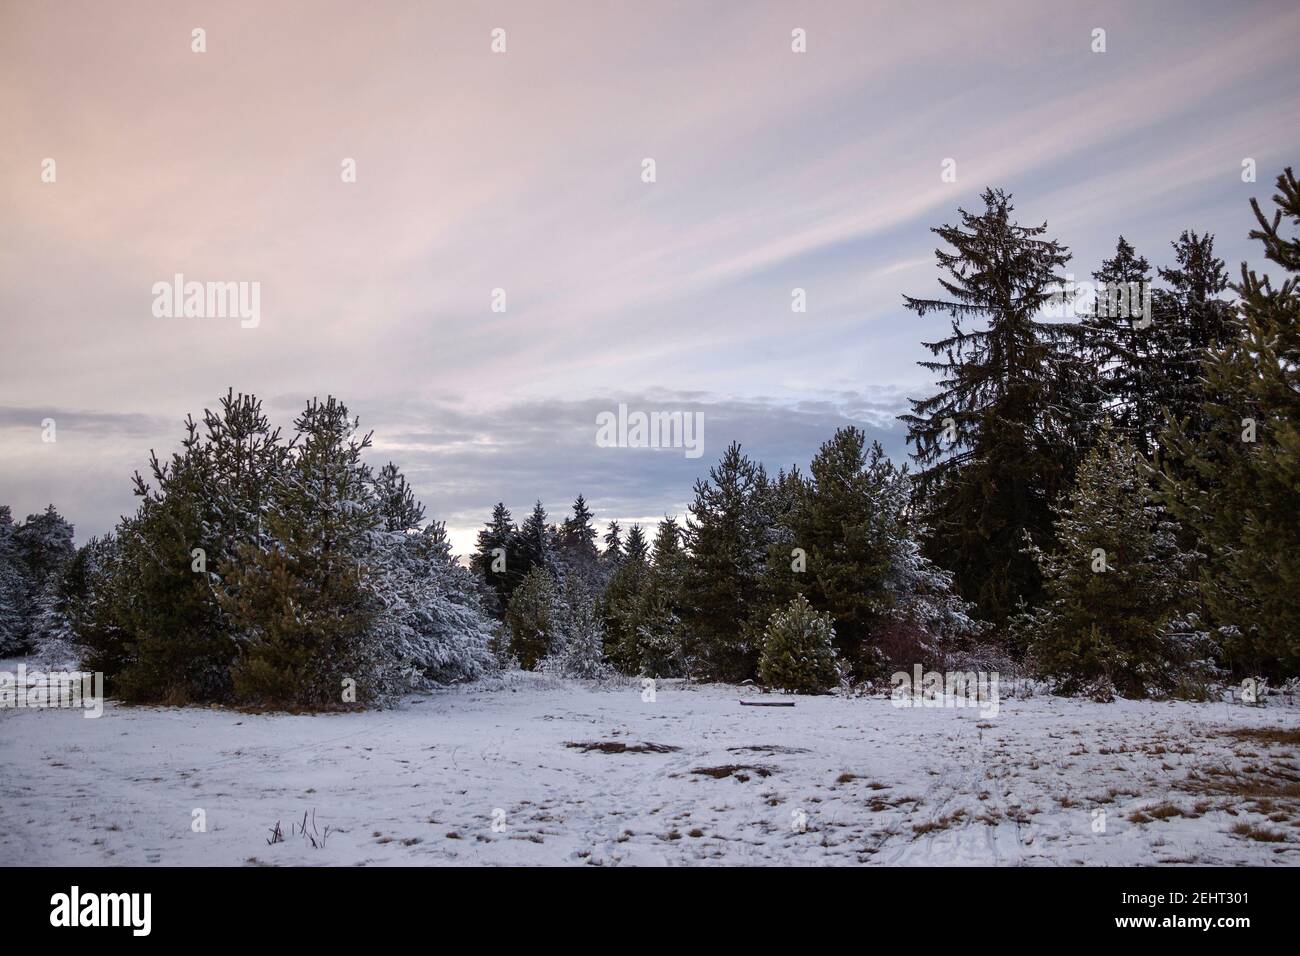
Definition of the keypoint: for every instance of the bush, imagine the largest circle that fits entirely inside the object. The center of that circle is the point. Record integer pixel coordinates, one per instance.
(798, 650)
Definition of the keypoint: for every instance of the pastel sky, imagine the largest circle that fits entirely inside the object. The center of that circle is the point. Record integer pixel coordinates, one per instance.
(522, 171)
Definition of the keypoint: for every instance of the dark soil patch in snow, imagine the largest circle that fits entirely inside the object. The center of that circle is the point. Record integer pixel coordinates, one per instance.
(738, 770)
(617, 747)
(767, 749)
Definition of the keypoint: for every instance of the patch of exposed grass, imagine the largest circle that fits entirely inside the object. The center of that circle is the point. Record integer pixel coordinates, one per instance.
(740, 771)
(939, 823)
(618, 747)
(1261, 834)
(1267, 735)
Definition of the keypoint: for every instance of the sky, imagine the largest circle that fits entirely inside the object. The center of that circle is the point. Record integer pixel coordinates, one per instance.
(523, 171)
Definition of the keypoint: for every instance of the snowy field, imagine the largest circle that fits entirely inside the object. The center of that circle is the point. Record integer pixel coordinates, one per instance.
(531, 770)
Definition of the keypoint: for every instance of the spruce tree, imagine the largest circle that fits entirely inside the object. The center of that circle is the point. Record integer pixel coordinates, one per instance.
(1233, 476)
(493, 560)
(727, 539)
(1126, 347)
(1189, 320)
(636, 548)
(998, 440)
(576, 543)
(1119, 609)
(535, 543)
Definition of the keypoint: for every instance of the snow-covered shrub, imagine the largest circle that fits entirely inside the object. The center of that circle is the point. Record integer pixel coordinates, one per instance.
(799, 650)
(430, 625)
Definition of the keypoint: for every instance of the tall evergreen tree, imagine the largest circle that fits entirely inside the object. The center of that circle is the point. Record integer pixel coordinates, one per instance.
(659, 650)
(576, 543)
(1189, 320)
(1126, 347)
(722, 590)
(493, 562)
(996, 442)
(1234, 478)
(535, 543)
(621, 605)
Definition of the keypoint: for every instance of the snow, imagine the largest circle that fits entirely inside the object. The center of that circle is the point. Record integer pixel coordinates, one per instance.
(426, 781)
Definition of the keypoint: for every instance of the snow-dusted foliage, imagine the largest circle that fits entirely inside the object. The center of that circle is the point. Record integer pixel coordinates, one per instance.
(13, 589)
(533, 618)
(799, 649)
(1120, 590)
(33, 602)
(430, 625)
(579, 648)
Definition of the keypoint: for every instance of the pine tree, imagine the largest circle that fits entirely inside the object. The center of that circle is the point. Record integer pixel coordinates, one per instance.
(534, 618)
(1234, 477)
(727, 539)
(301, 608)
(1120, 594)
(999, 439)
(396, 501)
(493, 561)
(612, 555)
(157, 630)
(799, 650)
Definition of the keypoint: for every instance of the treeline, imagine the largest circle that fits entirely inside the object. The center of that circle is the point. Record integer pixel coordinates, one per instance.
(1109, 499)
(702, 598)
(1115, 493)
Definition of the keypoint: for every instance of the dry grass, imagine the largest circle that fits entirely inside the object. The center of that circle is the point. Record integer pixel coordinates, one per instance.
(1262, 834)
(740, 771)
(1268, 735)
(618, 747)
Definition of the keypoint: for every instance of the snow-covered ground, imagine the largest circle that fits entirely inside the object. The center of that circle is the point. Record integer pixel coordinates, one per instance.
(490, 775)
